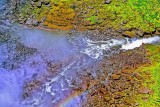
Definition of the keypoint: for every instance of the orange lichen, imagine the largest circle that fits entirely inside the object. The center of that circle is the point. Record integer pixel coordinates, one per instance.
(60, 16)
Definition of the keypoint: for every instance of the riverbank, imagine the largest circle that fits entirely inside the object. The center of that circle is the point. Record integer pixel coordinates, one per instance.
(84, 63)
(142, 20)
(134, 84)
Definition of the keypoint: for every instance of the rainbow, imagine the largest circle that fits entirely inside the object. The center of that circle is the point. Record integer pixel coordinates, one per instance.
(70, 99)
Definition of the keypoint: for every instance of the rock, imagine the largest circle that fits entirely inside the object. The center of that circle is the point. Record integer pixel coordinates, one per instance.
(46, 2)
(35, 0)
(22, 21)
(29, 21)
(35, 23)
(138, 76)
(115, 76)
(107, 1)
(103, 91)
(157, 32)
(4, 38)
(158, 29)
(32, 21)
(39, 5)
(144, 90)
(126, 71)
(140, 33)
(118, 95)
(107, 98)
(136, 104)
(129, 34)
(32, 3)
(147, 35)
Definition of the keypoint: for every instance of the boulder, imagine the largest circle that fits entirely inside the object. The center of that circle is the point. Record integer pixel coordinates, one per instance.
(129, 34)
(107, 1)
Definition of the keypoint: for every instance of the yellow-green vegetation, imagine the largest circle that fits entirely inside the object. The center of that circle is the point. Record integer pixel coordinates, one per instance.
(60, 16)
(122, 14)
(119, 14)
(38, 13)
(57, 15)
(153, 80)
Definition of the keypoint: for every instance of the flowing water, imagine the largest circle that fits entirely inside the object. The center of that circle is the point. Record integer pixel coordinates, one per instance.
(28, 54)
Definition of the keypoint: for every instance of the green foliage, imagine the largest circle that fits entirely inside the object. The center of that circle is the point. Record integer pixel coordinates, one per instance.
(125, 14)
(154, 81)
(119, 14)
(38, 13)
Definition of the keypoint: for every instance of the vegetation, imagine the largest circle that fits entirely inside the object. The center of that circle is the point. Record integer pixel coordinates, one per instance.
(60, 16)
(119, 14)
(153, 79)
(123, 14)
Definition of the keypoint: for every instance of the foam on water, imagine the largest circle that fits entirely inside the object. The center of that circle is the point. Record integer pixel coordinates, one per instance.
(57, 89)
(139, 42)
(97, 49)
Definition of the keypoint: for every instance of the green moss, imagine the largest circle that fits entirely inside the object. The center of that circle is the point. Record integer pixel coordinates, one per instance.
(154, 81)
(91, 19)
(126, 14)
(119, 14)
(37, 13)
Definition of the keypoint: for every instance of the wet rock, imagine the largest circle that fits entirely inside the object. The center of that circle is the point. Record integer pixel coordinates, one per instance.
(32, 21)
(144, 90)
(35, 23)
(31, 87)
(115, 76)
(4, 37)
(29, 21)
(22, 21)
(129, 34)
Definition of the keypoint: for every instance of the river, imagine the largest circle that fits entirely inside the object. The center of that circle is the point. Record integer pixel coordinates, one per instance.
(51, 63)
